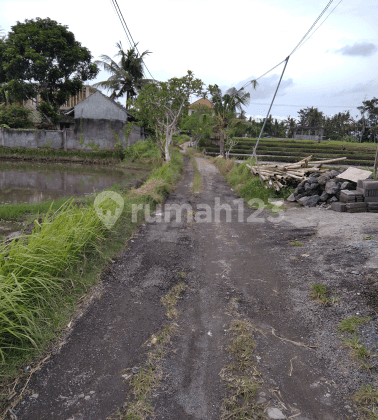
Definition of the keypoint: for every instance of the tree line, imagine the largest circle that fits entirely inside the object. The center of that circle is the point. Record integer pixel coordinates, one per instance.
(41, 58)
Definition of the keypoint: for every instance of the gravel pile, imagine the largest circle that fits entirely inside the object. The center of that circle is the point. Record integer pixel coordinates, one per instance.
(321, 189)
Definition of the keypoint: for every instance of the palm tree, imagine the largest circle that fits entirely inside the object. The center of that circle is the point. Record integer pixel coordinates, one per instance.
(226, 107)
(290, 125)
(127, 76)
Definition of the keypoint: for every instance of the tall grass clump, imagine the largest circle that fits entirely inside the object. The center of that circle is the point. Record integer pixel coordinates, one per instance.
(245, 184)
(16, 211)
(35, 273)
(146, 149)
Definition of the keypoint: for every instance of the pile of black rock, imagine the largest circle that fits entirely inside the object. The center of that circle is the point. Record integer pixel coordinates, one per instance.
(321, 189)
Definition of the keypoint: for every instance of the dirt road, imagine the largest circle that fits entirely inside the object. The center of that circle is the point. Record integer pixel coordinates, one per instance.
(234, 271)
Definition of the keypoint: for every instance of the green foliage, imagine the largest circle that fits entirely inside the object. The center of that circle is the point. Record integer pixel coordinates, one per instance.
(350, 324)
(50, 112)
(47, 153)
(43, 57)
(127, 76)
(31, 272)
(349, 139)
(245, 184)
(43, 275)
(15, 116)
(142, 150)
(200, 124)
(161, 105)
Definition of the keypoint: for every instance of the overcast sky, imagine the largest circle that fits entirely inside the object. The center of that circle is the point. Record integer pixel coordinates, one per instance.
(231, 42)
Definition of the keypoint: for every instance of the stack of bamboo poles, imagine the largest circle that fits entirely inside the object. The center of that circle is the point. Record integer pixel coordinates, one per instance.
(282, 176)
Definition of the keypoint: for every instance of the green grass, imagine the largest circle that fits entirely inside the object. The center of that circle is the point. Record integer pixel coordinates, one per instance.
(31, 272)
(53, 153)
(289, 150)
(349, 325)
(320, 293)
(197, 178)
(246, 185)
(16, 211)
(366, 399)
(241, 376)
(44, 275)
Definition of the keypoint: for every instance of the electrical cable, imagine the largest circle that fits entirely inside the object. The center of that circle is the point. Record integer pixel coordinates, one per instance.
(319, 25)
(313, 25)
(271, 104)
(127, 31)
(302, 41)
(122, 24)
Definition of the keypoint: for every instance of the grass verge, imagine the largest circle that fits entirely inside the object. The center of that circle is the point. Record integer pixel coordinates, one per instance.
(148, 378)
(197, 178)
(247, 185)
(46, 274)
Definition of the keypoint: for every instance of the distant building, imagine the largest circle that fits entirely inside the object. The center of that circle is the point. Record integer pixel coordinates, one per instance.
(201, 103)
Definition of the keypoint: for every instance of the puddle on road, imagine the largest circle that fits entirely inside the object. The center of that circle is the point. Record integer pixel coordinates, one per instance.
(22, 182)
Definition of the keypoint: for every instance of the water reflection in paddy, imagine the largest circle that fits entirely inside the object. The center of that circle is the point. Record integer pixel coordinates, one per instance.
(22, 182)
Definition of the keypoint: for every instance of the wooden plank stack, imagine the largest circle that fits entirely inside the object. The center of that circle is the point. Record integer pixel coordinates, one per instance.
(291, 174)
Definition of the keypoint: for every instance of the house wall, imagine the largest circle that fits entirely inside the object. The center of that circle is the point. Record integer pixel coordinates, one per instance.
(98, 106)
(87, 135)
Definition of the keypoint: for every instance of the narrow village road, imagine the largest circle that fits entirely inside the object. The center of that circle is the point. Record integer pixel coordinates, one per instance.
(233, 270)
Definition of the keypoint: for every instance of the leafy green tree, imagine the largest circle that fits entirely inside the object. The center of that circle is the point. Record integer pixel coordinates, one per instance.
(161, 105)
(200, 124)
(310, 117)
(290, 125)
(127, 76)
(15, 116)
(42, 58)
(369, 120)
(226, 107)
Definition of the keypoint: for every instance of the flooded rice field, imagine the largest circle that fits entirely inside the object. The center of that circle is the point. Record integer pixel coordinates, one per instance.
(22, 182)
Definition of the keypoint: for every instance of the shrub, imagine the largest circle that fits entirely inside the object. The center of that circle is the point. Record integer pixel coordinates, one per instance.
(15, 116)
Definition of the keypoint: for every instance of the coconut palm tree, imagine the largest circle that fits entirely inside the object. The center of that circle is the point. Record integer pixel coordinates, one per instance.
(226, 107)
(127, 76)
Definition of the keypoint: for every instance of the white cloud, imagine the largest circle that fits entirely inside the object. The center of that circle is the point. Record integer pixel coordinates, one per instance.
(361, 49)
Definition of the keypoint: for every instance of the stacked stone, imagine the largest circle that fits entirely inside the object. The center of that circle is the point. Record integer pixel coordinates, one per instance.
(321, 189)
(369, 189)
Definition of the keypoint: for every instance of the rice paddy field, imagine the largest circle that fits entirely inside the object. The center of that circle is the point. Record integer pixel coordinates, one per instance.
(47, 271)
(289, 150)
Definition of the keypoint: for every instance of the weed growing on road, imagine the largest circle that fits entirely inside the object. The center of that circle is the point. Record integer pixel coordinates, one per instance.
(294, 242)
(242, 378)
(171, 299)
(349, 325)
(148, 377)
(367, 401)
(358, 351)
(320, 293)
(197, 178)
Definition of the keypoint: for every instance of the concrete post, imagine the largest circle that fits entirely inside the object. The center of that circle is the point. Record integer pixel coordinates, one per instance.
(65, 139)
(3, 136)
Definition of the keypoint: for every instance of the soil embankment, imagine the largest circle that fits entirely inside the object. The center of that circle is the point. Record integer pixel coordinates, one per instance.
(245, 271)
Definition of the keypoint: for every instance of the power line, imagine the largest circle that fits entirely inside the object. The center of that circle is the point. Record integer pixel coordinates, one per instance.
(302, 41)
(128, 33)
(122, 24)
(320, 24)
(313, 25)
